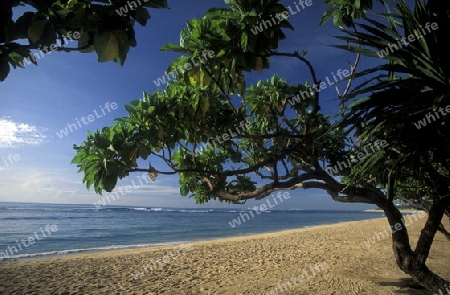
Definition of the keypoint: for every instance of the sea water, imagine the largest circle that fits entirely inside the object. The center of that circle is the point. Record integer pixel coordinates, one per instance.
(36, 230)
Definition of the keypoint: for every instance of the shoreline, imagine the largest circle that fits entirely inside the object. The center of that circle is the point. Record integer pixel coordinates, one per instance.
(254, 264)
(401, 211)
(172, 244)
(124, 247)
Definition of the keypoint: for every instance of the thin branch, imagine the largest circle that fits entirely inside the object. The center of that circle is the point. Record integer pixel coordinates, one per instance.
(235, 111)
(316, 106)
(350, 81)
(285, 120)
(301, 58)
(224, 173)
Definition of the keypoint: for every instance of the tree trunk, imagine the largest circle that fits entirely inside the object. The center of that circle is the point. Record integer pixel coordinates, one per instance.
(442, 229)
(413, 262)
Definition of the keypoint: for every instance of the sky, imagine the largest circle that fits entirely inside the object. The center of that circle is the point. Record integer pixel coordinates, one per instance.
(38, 101)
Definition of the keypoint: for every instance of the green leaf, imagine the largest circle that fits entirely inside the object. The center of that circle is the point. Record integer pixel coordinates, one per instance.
(109, 182)
(204, 105)
(101, 141)
(21, 25)
(4, 69)
(16, 59)
(327, 15)
(173, 47)
(131, 37)
(143, 152)
(106, 46)
(123, 46)
(222, 13)
(141, 15)
(338, 21)
(184, 190)
(259, 65)
(49, 36)
(36, 30)
(157, 4)
(85, 40)
(286, 24)
(111, 169)
(244, 41)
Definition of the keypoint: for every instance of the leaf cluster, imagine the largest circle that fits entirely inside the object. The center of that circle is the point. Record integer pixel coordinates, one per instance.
(412, 85)
(47, 22)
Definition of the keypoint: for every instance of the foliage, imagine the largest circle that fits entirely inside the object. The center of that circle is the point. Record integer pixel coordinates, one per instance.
(203, 109)
(345, 12)
(413, 84)
(107, 27)
(46, 22)
(282, 135)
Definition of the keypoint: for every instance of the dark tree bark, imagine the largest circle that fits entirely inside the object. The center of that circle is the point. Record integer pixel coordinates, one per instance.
(413, 262)
(442, 229)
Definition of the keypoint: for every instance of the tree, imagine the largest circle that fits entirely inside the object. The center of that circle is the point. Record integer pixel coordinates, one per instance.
(216, 133)
(49, 25)
(403, 94)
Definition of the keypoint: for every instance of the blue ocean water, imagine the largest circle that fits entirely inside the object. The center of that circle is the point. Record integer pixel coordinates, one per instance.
(34, 230)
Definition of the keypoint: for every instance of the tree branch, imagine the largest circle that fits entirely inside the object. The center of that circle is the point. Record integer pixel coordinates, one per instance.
(264, 190)
(301, 58)
(431, 226)
(350, 81)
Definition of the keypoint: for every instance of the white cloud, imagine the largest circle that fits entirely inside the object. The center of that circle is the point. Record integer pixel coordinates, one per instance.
(13, 134)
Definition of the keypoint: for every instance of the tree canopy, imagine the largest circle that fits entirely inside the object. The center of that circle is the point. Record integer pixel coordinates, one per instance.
(412, 86)
(103, 26)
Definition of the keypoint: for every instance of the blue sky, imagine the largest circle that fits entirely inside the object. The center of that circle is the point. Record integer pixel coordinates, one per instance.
(37, 102)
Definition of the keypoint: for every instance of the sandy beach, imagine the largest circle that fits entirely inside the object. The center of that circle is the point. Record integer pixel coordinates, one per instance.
(329, 259)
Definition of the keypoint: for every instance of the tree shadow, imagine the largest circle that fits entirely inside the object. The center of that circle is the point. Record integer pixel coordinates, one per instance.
(407, 286)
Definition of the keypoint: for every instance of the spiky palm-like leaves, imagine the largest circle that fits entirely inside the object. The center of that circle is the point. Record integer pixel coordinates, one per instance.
(410, 85)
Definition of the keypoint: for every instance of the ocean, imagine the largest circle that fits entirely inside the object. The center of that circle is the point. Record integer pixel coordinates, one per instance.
(29, 230)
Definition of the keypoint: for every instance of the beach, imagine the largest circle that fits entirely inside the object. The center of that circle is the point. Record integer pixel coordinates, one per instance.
(328, 259)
